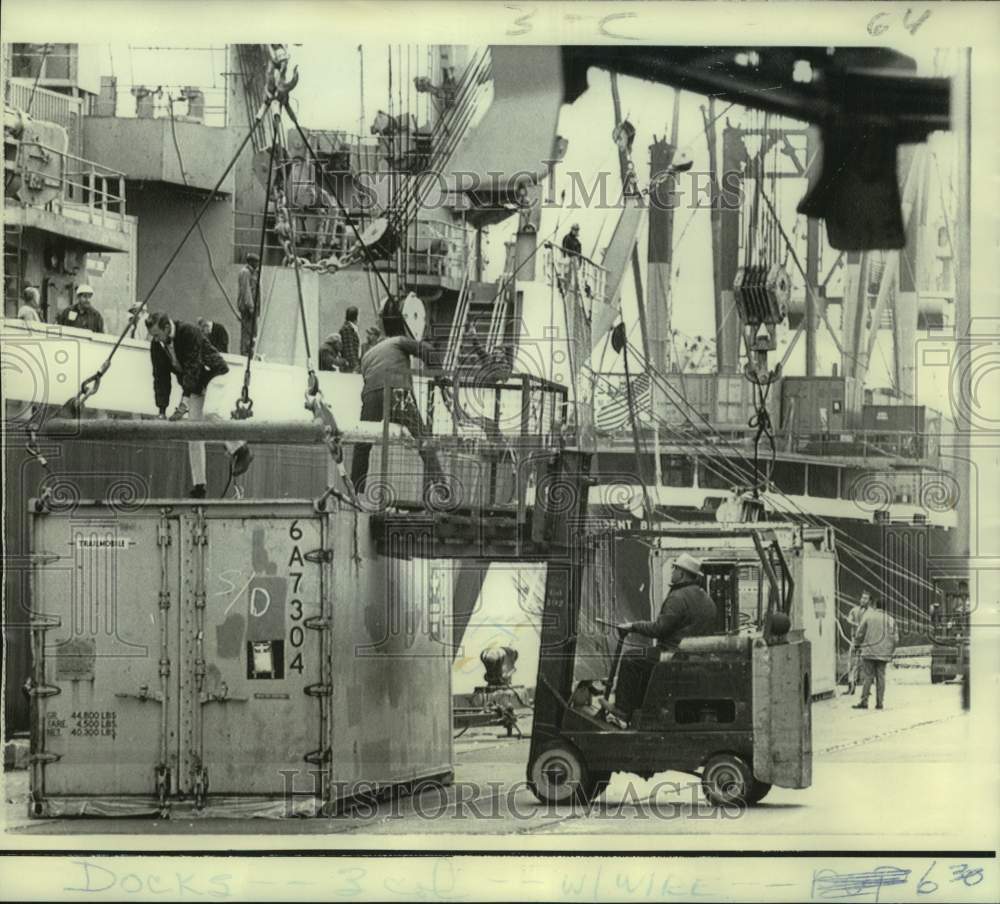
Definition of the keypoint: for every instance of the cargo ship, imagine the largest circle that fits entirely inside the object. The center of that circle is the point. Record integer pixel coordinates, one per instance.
(106, 194)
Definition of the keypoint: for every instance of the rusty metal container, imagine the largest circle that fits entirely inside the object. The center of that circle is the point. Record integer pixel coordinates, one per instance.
(232, 658)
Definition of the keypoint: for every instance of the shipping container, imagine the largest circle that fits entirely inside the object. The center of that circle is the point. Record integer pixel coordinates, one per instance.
(231, 658)
(820, 404)
(689, 401)
(735, 403)
(892, 418)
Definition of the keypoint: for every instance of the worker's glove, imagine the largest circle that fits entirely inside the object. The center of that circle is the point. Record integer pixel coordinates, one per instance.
(179, 412)
(624, 629)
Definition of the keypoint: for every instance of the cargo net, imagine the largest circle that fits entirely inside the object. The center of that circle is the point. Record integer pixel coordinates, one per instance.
(451, 446)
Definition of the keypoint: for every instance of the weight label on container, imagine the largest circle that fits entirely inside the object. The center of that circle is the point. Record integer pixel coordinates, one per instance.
(94, 724)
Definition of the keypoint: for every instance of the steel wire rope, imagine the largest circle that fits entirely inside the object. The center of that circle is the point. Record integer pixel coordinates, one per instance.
(201, 232)
(92, 383)
(816, 521)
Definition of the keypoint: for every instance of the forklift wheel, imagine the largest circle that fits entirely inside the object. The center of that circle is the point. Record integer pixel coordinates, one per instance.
(558, 775)
(727, 779)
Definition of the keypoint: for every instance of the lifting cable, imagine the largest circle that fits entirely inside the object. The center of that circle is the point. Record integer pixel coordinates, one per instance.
(790, 506)
(73, 407)
(201, 232)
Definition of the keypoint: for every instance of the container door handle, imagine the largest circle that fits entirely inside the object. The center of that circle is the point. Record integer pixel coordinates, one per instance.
(222, 697)
(144, 695)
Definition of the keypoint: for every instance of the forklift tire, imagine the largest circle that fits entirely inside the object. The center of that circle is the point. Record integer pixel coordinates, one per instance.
(758, 791)
(727, 779)
(558, 775)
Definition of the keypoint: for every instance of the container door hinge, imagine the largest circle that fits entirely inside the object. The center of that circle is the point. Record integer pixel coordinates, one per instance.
(319, 556)
(200, 788)
(199, 599)
(40, 690)
(163, 534)
(318, 757)
(317, 623)
(162, 784)
(44, 622)
(164, 599)
(164, 668)
(319, 690)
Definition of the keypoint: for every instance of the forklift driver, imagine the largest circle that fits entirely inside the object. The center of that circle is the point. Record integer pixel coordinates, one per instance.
(687, 611)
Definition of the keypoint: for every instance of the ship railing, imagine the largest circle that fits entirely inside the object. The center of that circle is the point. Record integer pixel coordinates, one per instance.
(575, 273)
(434, 248)
(867, 444)
(488, 439)
(88, 191)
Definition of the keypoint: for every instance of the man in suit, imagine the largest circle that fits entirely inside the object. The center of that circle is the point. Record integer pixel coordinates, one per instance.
(216, 334)
(182, 350)
(350, 339)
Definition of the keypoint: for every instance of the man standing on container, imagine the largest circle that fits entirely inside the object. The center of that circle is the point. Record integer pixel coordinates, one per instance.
(876, 640)
(350, 339)
(687, 611)
(246, 301)
(83, 315)
(182, 350)
(386, 365)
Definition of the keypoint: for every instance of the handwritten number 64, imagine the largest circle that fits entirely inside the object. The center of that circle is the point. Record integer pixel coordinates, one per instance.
(878, 25)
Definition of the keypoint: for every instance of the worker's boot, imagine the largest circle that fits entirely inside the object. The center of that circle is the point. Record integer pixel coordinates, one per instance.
(198, 491)
(862, 705)
(240, 460)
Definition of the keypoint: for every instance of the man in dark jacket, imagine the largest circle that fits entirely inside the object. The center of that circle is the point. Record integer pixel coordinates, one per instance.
(687, 611)
(350, 338)
(83, 315)
(571, 241)
(183, 351)
(330, 354)
(216, 334)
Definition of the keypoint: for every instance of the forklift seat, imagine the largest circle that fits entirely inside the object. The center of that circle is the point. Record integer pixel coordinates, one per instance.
(711, 643)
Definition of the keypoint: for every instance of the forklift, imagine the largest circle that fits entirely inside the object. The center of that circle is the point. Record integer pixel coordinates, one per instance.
(732, 708)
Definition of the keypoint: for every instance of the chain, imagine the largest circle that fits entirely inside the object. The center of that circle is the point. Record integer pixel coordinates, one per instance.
(34, 451)
(761, 421)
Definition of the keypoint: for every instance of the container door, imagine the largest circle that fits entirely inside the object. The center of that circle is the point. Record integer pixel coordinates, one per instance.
(103, 594)
(253, 654)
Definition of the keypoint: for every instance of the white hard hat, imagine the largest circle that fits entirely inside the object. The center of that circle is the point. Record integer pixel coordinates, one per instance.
(84, 290)
(689, 563)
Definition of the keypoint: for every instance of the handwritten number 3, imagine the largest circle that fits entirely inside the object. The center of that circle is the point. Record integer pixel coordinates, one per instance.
(521, 21)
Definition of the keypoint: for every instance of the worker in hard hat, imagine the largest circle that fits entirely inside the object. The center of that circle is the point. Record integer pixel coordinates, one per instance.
(82, 314)
(687, 611)
(387, 364)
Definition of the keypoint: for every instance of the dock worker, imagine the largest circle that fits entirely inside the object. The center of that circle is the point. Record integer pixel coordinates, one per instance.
(875, 640)
(387, 364)
(29, 310)
(350, 338)
(571, 241)
(216, 333)
(331, 354)
(854, 659)
(183, 351)
(246, 301)
(83, 315)
(687, 611)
